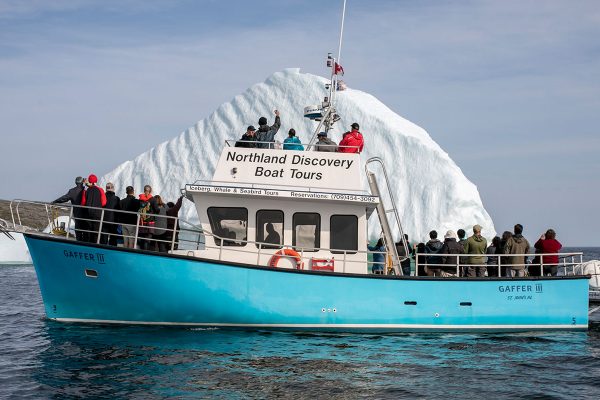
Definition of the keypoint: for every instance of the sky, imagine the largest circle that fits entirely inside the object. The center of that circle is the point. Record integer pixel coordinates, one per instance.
(510, 89)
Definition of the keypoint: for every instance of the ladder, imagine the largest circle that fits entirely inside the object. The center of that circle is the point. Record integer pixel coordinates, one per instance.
(382, 212)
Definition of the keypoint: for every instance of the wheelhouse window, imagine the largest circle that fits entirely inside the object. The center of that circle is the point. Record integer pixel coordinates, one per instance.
(230, 223)
(343, 233)
(269, 228)
(306, 231)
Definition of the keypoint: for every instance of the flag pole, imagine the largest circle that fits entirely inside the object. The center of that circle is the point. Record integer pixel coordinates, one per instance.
(339, 57)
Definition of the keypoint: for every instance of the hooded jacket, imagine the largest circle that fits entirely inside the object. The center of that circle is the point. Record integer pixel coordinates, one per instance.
(476, 245)
(433, 247)
(353, 138)
(451, 246)
(517, 244)
(266, 133)
(292, 143)
(548, 246)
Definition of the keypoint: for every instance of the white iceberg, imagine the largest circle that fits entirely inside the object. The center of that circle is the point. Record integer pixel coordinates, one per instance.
(430, 189)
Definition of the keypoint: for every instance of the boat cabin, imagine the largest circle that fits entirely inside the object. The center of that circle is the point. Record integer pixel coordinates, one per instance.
(285, 208)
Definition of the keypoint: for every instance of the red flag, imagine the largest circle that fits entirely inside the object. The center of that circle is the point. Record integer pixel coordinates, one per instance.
(339, 70)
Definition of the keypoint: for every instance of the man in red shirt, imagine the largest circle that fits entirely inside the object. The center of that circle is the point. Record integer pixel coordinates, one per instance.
(353, 141)
(547, 244)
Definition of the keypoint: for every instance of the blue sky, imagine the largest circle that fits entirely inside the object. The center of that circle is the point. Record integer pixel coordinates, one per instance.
(510, 89)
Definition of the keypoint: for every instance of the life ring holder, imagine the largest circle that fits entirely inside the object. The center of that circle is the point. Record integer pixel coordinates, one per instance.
(286, 253)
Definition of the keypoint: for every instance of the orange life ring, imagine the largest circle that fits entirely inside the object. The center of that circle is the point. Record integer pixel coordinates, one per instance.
(286, 253)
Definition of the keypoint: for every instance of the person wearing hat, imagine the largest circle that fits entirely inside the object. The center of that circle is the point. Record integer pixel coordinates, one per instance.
(353, 141)
(292, 142)
(95, 197)
(265, 135)
(476, 244)
(110, 225)
(325, 144)
(248, 139)
(74, 195)
(450, 246)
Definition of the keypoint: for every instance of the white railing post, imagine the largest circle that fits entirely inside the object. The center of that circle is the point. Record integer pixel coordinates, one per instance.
(174, 233)
(137, 230)
(258, 256)
(458, 266)
(220, 249)
(100, 227)
(344, 263)
(69, 223)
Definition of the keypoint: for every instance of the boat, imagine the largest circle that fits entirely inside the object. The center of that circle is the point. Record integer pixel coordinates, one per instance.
(281, 243)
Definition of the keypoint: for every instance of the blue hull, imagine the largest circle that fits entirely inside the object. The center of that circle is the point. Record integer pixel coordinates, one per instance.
(135, 287)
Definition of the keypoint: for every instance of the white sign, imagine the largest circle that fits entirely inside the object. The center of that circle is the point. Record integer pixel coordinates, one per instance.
(311, 169)
(282, 193)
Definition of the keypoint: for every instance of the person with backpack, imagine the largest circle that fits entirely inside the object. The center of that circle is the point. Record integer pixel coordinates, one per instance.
(147, 212)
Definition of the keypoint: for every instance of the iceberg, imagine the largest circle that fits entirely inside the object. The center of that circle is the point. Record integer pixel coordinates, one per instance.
(430, 190)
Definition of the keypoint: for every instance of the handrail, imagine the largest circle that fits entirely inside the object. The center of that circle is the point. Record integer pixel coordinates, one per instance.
(497, 261)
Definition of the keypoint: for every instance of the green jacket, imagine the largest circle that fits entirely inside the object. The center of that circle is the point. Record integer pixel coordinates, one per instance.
(476, 245)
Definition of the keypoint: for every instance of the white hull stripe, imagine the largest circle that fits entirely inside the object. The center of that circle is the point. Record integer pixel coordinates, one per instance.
(330, 326)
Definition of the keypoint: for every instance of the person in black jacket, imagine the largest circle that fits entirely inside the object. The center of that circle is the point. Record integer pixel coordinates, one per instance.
(451, 246)
(74, 195)
(110, 222)
(248, 139)
(129, 220)
(94, 197)
(173, 223)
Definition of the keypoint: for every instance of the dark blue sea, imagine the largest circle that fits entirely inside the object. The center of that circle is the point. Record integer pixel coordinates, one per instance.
(44, 359)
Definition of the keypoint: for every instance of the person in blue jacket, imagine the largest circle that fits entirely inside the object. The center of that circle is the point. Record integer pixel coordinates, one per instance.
(292, 142)
(378, 258)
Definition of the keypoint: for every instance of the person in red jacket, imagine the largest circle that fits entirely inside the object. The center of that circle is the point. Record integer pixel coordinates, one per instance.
(95, 197)
(548, 244)
(353, 141)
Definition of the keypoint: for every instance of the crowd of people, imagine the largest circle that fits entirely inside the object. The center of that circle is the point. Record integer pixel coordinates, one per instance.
(457, 255)
(154, 220)
(264, 138)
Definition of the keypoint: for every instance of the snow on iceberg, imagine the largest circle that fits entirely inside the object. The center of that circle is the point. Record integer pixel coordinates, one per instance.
(430, 190)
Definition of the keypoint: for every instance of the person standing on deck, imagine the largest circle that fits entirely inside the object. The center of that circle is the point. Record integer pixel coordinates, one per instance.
(129, 220)
(433, 246)
(352, 141)
(248, 139)
(378, 257)
(292, 142)
(451, 246)
(74, 195)
(476, 244)
(265, 136)
(93, 197)
(547, 243)
(325, 144)
(517, 246)
(492, 260)
(172, 223)
(462, 240)
(109, 226)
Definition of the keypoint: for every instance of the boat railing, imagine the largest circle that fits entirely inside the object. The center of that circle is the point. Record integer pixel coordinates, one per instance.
(496, 264)
(179, 237)
(277, 145)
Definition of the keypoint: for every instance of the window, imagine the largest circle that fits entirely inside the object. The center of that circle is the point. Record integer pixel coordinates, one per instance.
(306, 231)
(269, 228)
(343, 233)
(229, 222)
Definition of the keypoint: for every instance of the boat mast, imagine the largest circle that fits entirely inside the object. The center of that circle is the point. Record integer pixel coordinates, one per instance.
(325, 113)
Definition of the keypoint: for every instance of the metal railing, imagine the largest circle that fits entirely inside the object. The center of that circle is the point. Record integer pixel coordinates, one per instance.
(455, 264)
(277, 145)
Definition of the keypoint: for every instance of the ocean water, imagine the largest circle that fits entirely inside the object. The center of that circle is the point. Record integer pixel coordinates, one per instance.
(45, 359)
